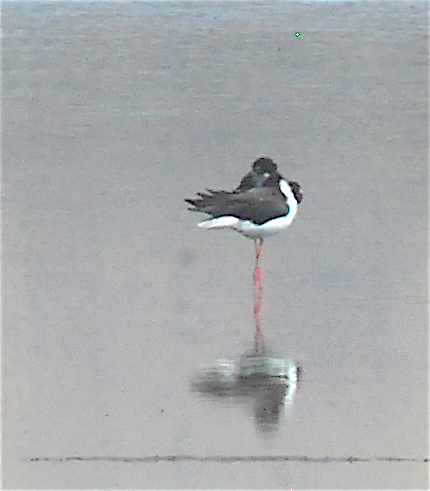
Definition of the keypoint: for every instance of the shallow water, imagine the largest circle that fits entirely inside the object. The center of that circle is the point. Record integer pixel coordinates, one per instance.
(113, 298)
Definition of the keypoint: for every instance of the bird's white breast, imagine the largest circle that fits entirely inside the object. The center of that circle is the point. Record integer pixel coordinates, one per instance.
(291, 200)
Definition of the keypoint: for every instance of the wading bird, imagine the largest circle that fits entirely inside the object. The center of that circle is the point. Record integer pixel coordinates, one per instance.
(263, 204)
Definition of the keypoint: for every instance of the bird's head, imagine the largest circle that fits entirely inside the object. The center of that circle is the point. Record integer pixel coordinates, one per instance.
(264, 172)
(264, 166)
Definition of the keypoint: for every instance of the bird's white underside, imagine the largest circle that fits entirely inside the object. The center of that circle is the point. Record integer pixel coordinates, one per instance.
(250, 229)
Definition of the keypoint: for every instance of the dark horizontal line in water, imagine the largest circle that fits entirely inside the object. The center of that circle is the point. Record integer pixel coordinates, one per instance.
(229, 459)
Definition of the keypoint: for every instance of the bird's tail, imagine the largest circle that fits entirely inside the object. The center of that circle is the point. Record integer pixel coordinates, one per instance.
(221, 222)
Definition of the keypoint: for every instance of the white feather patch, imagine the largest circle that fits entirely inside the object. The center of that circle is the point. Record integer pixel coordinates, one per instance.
(291, 200)
(271, 227)
(221, 222)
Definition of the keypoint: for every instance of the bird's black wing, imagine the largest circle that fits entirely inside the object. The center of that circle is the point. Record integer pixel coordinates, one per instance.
(257, 204)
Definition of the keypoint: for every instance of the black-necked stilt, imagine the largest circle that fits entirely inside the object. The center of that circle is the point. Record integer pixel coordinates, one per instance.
(263, 204)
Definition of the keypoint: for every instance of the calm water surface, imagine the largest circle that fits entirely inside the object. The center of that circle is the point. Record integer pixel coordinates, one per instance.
(113, 298)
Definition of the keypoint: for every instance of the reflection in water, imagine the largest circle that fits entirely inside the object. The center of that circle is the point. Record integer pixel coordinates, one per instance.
(269, 381)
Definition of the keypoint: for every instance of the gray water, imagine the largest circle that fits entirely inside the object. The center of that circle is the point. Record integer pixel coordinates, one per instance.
(113, 298)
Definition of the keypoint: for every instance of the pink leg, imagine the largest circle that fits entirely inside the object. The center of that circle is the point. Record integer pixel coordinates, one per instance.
(258, 292)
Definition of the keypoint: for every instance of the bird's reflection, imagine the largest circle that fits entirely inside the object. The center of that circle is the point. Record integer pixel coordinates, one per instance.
(260, 376)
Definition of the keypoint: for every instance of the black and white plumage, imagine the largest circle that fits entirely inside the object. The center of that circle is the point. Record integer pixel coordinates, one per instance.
(264, 203)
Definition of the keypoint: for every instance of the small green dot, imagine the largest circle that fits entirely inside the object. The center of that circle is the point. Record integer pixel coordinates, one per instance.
(298, 34)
